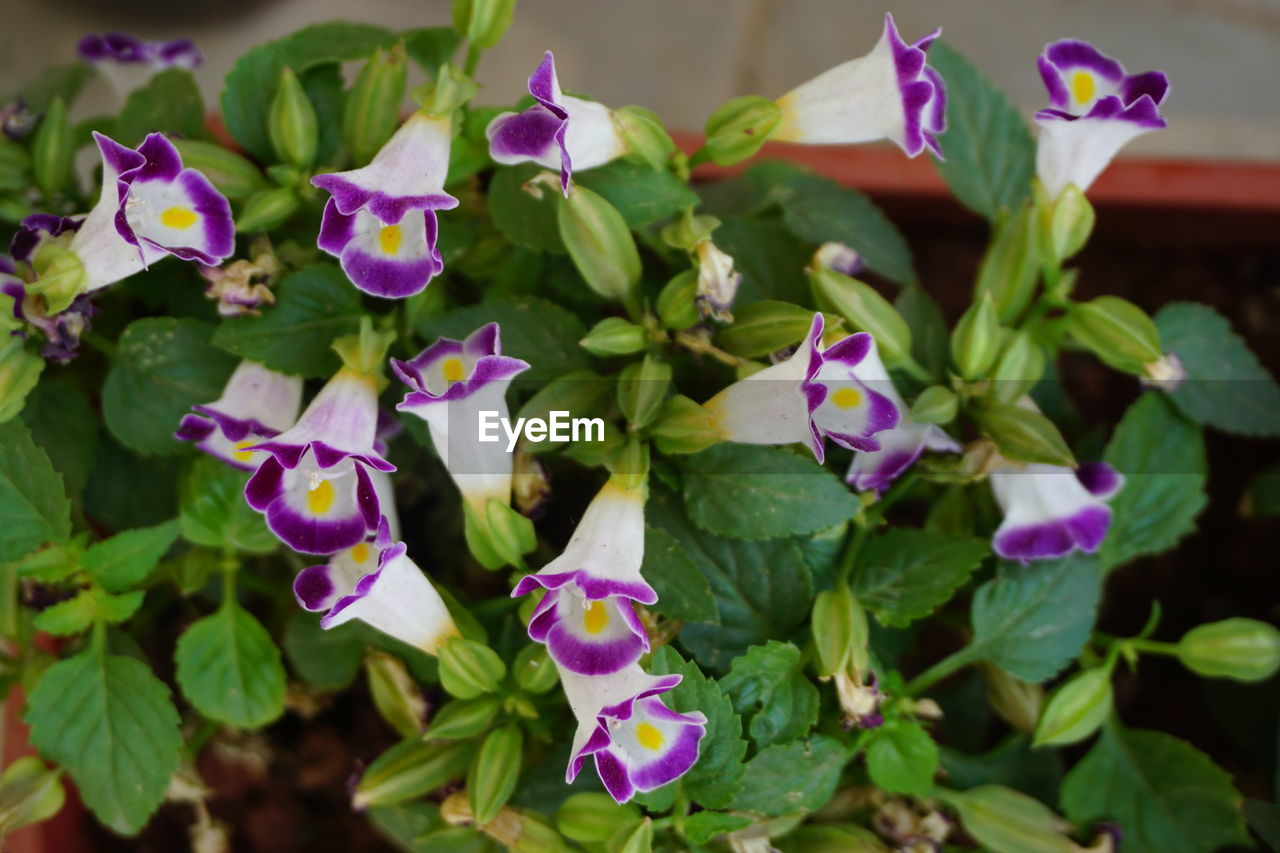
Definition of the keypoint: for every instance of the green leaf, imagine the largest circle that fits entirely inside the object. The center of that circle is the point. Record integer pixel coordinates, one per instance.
(213, 512)
(1226, 386)
(759, 492)
(34, 508)
(800, 775)
(642, 194)
(1032, 620)
(700, 828)
(769, 257)
(110, 723)
(91, 605)
(1168, 796)
(902, 758)
(252, 82)
(170, 102)
(229, 668)
(717, 776)
(324, 87)
(431, 47)
(59, 81)
(988, 153)
(327, 660)
(905, 573)
(683, 593)
(929, 332)
(313, 306)
(540, 332)
(1162, 458)
(63, 422)
(163, 367)
(526, 212)
(1264, 819)
(112, 497)
(127, 558)
(770, 679)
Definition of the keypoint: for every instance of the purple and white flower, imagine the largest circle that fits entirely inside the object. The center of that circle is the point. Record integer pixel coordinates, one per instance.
(586, 617)
(315, 486)
(558, 132)
(452, 382)
(1050, 510)
(840, 258)
(638, 743)
(256, 404)
(900, 446)
(378, 584)
(127, 62)
(814, 394)
(888, 94)
(380, 221)
(717, 282)
(1094, 110)
(61, 331)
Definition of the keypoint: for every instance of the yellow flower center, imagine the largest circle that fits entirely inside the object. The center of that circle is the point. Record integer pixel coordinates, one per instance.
(595, 618)
(649, 736)
(320, 498)
(1082, 87)
(389, 239)
(178, 217)
(239, 451)
(359, 552)
(847, 398)
(453, 370)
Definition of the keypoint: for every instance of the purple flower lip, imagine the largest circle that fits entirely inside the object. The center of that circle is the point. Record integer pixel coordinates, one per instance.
(124, 48)
(1051, 511)
(924, 95)
(455, 370)
(833, 411)
(1085, 83)
(36, 229)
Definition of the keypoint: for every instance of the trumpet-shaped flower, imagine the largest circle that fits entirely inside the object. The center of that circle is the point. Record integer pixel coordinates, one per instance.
(888, 94)
(315, 486)
(814, 394)
(586, 617)
(638, 743)
(1094, 110)
(378, 584)
(900, 446)
(559, 131)
(452, 382)
(256, 404)
(380, 221)
(1050, 510)
(127, 62)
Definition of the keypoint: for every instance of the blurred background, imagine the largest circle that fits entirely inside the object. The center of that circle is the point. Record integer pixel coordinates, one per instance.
(682, 58)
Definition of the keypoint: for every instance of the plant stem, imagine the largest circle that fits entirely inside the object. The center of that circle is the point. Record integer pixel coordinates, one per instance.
(940, 670)
(1154, 647)
(915, 369)
(852, 547)
(473, 59)
(101, 344)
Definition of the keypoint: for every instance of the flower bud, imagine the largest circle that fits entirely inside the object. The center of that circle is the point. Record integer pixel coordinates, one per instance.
(683, 426)
(469, 669)
(1164, 374)
(1011, 266)
(292, 123)
(614, 336)
(463, 718)
(1065, 223)
(267, 210)
(935, 405)
(1238, 648)
(1020, 367)
(19, 373)
(396, 696)
(1001, 818)
(717, 282)
(410, 769)
(839, 630)
(975, 341)
(1017, 702)
(372, 108)
(537, 837)
(689, 230)
(1076, 709)
(764, 327)
(677, 305)
(600, 244)
(739, 127)
(232, 175)
(644, 135)
(494, 772)
(534, 670)
(1024, 435)
(29, 793)
(53, 150)
(498, 535)
(483, 22)
(838, 257)
(865, 309)
(642, 387)
(591, 817)
(636, 837)
(1116, 331)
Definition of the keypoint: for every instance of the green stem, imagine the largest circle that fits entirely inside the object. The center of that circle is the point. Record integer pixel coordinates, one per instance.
(1154, 647)
(914, 369)
(940, 670)
(101, 344)
(849, 556)
(473, 60)
(897, 492)
(230, 568)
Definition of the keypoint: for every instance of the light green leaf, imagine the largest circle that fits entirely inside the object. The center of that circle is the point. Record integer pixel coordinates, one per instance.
(91, 605)
(770, 680)
(229, 668)
(213, 512)
(170, 102)
(902, 758)
(642, 194)
(34, 508)
(800, 775)
(905, 573)
(700, 828)
(1007, 821)
(127, 558)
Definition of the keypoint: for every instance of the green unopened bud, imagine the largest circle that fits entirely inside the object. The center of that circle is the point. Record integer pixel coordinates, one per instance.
(644, 135)
(582, 393)
(483, 22)
(410, 769)
(834, 838)
(839, 630)
(975, 341)
(53, 150)
(1000, 818)
(764, 327)
(1076, 709)
(614, 336)
(292, 123)
(536, 836)
(739, 127)
(689, 230)
(534, 670)
(267, 210)
(450, 90)
(232, 175)
(600, 244)
(1020, 367)
(1024, 435)
(396, 696)
(469, 669)
(935, 405)
(1242, 649)
(60, 276)
(19, 373)
(591, 817)
(1116, 331)
(29, 793)
(677, 306)
(1011, 265)
(1065, 223)
(683, 426)
(372, 108)
(463, 718)
(865, 309)
(642, 387)
(1015, 701)
(494, 772)
(366, 350)
(497, 534)
(636, 837)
